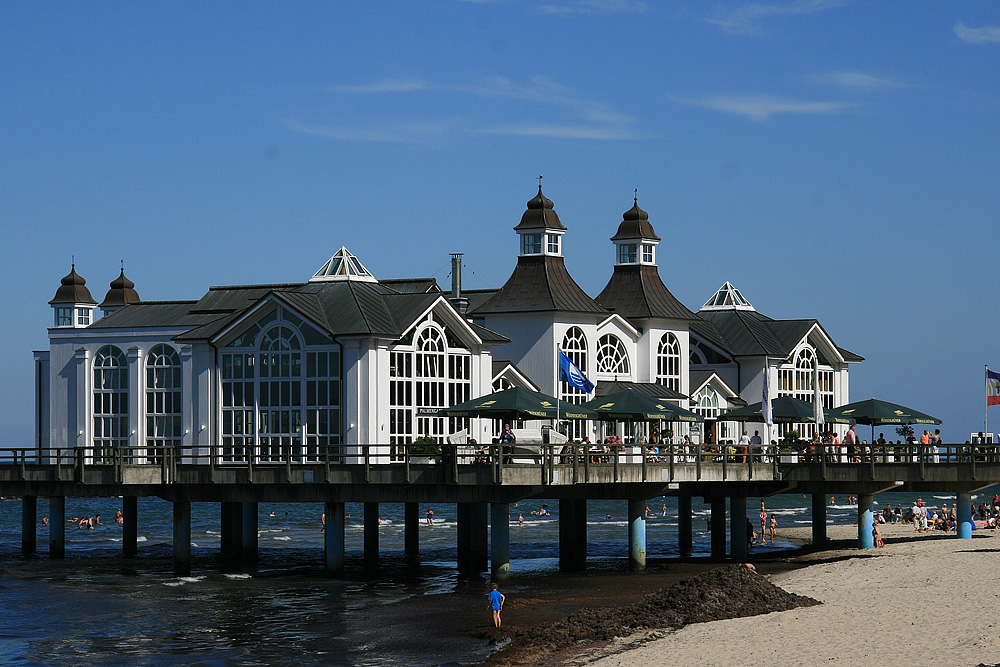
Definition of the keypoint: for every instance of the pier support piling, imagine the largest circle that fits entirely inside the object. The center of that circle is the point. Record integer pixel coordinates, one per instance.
(333, 538)
(866, 512)
(572, 535)
(248, 545)
(411, 529)
(684, 541)
(57, 527)
(718, 528)
(637, 535)
(818, 518)
(500, 541)
(130, 526)
(480, 545)
(739, 546)
(182, 538)
(371, 531)
(964, 515)
(29, 517)
(463, 537)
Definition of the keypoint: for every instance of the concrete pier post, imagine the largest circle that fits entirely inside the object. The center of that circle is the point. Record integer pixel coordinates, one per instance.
(130, 527)
(818, 518)
(57, 527)
(182, 538)
(29, 516)
(684, 541)
(964, 515)
(463, 537)
(866, 512)
(248, 543)
(572, 534)
(637, 535)
(500, 541)
(371, 531)
(227, 545)
(411, 529)
(480, 547)
(333, 538)
(718, 528)
(738, 543)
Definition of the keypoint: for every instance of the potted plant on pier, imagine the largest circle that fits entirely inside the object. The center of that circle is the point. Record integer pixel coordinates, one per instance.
(424, 450)
(792, 455)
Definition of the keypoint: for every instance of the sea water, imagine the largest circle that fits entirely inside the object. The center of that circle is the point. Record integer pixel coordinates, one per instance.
(95, 608)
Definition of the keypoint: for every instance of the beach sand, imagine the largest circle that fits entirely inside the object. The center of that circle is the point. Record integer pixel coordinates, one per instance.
(924, 599)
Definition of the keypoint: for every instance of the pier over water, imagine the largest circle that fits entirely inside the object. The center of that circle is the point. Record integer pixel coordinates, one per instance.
(482, 482)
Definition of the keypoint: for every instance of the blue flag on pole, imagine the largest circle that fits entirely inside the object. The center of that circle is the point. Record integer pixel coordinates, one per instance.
(572, 375)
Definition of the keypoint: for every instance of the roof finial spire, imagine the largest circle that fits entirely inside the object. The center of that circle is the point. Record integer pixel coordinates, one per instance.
(539, 183)
(72, 262)
(636, 199)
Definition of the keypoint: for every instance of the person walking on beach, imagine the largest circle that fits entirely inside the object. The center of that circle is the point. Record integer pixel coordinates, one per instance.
(496, 604)
(763, 522)
(877, 534)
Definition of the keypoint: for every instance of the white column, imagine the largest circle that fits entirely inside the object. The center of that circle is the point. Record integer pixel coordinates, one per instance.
(136, 394)
(82, 434)
(190, 437)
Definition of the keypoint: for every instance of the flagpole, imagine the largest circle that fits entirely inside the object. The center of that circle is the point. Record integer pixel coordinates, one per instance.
(986, 399)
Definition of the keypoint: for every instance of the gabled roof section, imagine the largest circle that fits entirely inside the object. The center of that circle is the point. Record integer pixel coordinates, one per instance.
(510, 370)
(636, 291)
(727, 298)
(745, 333)
(539, 283)
(155, 314)
(232, 298)
(343, 266)
(699, 378)
(653, 389)
(413, 285)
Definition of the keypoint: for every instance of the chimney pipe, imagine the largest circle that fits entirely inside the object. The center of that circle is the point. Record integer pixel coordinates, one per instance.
(457, 300)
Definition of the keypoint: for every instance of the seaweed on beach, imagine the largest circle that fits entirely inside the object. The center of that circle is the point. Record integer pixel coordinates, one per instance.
(732, 591)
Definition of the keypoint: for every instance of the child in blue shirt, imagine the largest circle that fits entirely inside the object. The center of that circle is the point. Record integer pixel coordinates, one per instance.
(496, 604)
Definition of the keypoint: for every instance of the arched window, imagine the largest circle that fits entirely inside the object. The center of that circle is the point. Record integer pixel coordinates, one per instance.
(668, 362)
(707, 403)
(163, 400)
(110, 401)
(280, 391)
(612, 358)
(574, 344)
(502, 384)
(434, 371)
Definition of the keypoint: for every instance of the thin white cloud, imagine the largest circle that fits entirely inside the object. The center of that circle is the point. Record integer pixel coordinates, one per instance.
(856, 80)
(749, 18)
(762, 107)
(984, 35)
(582, 118)
(578, 7)
(384, 86)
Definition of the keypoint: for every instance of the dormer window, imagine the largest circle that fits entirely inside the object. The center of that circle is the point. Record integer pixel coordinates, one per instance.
(83, 317)
(648, 255)
(627, 253)
(552, 244)
(531, 244)
(64, 317)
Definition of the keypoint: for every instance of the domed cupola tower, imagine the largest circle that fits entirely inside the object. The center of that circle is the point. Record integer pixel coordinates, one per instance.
(635, 290)
(540, 230)
(121, 294)
(73, 307)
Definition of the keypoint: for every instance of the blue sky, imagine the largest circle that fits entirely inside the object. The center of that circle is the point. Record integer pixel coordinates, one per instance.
(836, 160)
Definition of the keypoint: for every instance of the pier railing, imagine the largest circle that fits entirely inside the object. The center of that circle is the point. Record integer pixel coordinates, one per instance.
(545, 464)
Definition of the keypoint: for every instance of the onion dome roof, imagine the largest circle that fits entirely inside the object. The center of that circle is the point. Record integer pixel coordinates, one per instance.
(122, 292)
(73, 289)
(635, 225)
(540, 214)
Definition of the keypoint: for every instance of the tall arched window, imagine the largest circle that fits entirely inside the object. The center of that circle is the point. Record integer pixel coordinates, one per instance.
(280, 384)
(110, 401)
(668, 362)
(574, 344)
(612, 358)
(163, 400)
(431, 372)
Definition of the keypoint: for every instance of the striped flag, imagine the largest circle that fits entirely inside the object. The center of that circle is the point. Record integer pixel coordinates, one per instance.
(992, 388)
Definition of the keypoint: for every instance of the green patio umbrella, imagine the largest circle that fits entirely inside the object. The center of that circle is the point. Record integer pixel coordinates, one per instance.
(783, 409)
(876, 412)
(517, 403)
(632, 405)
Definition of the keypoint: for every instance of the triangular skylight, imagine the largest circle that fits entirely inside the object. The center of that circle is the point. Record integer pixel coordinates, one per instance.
(727, 298)
(343, 266)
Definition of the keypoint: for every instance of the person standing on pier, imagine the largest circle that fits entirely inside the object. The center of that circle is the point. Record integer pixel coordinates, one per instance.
(496, 604)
